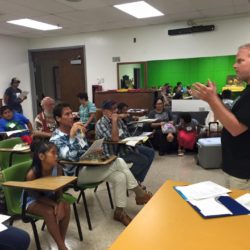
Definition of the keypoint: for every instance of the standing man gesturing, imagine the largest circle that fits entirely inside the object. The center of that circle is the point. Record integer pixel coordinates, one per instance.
(236, 133)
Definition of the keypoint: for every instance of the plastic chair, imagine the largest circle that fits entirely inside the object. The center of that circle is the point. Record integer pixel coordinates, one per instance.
(13, 199)
(9, 158)
(81, 188)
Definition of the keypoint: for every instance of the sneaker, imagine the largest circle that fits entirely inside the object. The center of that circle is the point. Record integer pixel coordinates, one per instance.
(122, 217)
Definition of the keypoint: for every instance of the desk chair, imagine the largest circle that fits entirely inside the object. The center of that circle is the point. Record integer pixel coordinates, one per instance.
(13, 199)
(81, 188)
(9, 158)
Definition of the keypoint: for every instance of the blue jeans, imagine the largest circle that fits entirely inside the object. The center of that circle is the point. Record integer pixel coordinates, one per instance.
(14, 239)
(142, 158)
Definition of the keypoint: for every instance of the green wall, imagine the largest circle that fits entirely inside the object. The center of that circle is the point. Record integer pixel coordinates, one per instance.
(190, 70)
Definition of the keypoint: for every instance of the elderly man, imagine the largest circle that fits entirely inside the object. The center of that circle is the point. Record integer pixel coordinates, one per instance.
(45, 123)
(72, 145)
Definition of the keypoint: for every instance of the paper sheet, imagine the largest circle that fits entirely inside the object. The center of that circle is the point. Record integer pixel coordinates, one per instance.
(210, 207)
(93, 148)
(2, 227)
(244, 200)
(202, 190)
(23, 94)
(3, 217)
(9, 133)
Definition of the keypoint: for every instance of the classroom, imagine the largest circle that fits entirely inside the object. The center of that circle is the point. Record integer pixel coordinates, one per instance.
(150, 78)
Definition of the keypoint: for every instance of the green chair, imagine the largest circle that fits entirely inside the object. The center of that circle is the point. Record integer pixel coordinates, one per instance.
(81, 188)
(9, 158)
(13, 199)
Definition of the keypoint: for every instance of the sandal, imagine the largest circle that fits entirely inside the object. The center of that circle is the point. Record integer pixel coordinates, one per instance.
(144, 199)
(122, 217)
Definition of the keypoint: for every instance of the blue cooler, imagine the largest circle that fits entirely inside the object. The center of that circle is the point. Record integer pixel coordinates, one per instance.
(209, 152)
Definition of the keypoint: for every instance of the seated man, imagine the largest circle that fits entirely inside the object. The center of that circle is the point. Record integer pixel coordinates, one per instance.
(72, 145)
(45, 123)
(15, 121)
(112, 128)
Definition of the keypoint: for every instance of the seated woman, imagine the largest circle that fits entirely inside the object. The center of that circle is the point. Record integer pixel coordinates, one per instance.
(15, 121)
(45, 123)
(164, 142)
(87, 111)
(187, 133)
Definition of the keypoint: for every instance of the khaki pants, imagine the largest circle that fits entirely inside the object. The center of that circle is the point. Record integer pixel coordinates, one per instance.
(117, 173)
(236, 183)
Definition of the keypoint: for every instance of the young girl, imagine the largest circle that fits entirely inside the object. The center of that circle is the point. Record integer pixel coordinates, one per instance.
(187, 133)
(56, 213)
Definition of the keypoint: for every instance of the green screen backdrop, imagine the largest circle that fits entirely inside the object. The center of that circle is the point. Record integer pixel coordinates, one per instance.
(191, 70)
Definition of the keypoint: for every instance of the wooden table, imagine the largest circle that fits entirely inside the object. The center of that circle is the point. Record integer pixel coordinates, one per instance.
(169, 222)
(94, 162)
(50, 183)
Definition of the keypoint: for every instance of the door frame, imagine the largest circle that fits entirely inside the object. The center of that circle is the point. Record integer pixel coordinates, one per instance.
(32, 72)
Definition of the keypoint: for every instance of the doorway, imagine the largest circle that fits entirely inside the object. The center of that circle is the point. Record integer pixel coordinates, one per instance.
(58, 73)
(132, 75)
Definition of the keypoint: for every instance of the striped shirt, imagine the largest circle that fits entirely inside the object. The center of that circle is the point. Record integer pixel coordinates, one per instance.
(103, 129)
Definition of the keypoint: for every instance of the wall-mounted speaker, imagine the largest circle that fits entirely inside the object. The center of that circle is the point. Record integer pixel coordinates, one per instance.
(189, 30)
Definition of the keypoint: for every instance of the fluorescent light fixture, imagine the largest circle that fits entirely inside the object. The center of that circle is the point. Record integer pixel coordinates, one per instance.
(139, 9)
(34, 24)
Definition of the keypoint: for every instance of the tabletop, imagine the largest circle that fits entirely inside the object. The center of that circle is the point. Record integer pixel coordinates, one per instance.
(167, 221)
(50, 183)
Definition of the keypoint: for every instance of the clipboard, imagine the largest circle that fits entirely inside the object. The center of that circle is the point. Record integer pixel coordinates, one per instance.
(228, 202)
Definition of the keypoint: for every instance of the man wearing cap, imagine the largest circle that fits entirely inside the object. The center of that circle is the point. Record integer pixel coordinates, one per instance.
(112, 128)
(11, 96)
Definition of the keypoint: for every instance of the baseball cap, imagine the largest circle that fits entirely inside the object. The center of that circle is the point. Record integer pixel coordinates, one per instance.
(108, 104)
(15, 80)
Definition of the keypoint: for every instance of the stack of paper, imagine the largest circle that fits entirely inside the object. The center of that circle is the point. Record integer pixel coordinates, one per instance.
(133, 140)
(204, 197)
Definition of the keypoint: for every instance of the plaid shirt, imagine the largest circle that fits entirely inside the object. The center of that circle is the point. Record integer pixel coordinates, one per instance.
(68, 149)
(103, 129)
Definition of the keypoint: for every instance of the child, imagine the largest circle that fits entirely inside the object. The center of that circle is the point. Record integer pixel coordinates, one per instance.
(56, 213)
(187, 133)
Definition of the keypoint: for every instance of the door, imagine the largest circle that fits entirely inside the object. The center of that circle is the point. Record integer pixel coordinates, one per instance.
(59, 74)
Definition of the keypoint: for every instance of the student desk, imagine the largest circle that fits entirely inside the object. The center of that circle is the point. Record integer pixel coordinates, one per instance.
(14, 151)
(169, 222)
(50, 183)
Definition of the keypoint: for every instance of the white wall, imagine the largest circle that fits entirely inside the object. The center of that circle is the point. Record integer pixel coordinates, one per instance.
(153, 43)
(14, 63)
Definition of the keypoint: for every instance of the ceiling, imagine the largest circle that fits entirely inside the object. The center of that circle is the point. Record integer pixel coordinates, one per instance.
(99, 15)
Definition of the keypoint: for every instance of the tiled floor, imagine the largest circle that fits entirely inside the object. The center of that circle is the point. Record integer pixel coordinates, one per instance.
(105, 229)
